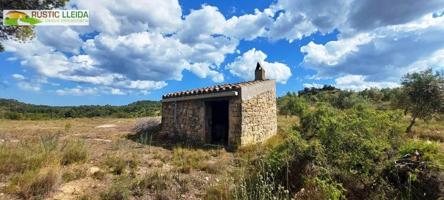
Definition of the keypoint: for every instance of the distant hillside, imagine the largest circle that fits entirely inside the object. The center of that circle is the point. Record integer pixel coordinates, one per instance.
(13, 109)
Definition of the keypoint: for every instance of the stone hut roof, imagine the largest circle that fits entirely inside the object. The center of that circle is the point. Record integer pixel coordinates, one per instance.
(211, 89)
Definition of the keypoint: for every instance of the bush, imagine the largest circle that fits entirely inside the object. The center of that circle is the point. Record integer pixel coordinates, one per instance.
(119, 190)
(155, 182)
(35, 184)
(73, 152)
(292, 105)
(74, 173)
(429, 151)
(334, 153)
(259, 183)
(28, 155)
(13, 116)
(186, 159)
(116, 164)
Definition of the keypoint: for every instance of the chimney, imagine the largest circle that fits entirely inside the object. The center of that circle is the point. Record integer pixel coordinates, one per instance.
(259, 73)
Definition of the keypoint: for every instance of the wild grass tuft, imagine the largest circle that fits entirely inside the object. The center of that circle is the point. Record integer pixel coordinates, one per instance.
(34, 164)
(186, 159)
(73, 152)
(35, 184)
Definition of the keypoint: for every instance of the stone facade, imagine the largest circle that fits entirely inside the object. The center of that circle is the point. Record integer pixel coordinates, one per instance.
(258, 118)
(249, 109)
(184, 119)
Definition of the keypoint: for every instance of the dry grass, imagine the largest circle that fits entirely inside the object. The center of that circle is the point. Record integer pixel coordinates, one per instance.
(430, 130)
(187, 159)
(73, 151)
(129, 169)
(35, 184)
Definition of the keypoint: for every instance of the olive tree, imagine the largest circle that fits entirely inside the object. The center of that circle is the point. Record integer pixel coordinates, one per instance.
(23, 33)
(424, 95)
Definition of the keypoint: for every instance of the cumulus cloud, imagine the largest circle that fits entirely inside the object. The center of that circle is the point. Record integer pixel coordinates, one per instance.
(18, 77)
(243, 66)
(301, 18)
(118, 17)
(312, 85)
(139, 50)
(77, 91)
(141, 45)
(359, 82)
(384, 54)
(35, 87)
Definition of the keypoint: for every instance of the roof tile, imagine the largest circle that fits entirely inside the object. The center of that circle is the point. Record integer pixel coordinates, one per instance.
(212, 89)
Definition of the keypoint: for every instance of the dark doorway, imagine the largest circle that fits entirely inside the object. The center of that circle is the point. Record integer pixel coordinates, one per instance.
(219, 122)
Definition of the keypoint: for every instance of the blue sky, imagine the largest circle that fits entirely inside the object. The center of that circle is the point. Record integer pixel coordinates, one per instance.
(140, 49)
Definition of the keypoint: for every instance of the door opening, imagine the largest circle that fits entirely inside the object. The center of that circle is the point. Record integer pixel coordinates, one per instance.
(219, 122)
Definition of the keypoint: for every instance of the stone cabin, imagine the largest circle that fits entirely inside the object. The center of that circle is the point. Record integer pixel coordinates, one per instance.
(230, 114)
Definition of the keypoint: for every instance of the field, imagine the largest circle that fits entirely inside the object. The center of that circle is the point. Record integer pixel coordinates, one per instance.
(114, 165)
(110, 161)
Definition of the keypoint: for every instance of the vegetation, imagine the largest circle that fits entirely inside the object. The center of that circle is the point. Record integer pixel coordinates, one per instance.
(331, 144)
(15, 110)
(352, 145)
(35, 165)
(424, 94)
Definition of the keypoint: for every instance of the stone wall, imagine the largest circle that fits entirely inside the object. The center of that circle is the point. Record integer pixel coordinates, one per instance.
(190, 120)
(259, 120)
(252, 116)
(184, 119)
(234, 121)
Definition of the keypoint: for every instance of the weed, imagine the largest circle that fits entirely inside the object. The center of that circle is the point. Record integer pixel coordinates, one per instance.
(155, 181)
(35, 184)
(218, 192)
(68, 127)
(73, 152)
(116, 164)
(186, 159)
(73, 173)
(118, 191)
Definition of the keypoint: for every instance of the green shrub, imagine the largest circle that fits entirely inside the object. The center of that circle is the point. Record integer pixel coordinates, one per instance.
(292, 105)
(429, 151)
(13, 115)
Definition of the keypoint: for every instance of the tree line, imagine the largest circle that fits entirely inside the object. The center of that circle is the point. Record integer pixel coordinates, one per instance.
(15, 110)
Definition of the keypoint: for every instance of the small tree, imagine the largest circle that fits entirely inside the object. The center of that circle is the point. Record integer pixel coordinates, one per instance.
(424, 95)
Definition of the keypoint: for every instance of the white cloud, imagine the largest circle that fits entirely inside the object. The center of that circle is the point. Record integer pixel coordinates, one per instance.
(18, 77)
(66, 40)
(384, 54)
(202, 70)
(116, 17)
(77, 91)
(359, 82)
(332, 52)
(244, 66)
(29, 86)
(249, 26)
(312, 85)
(117, 91)
(140, 45)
